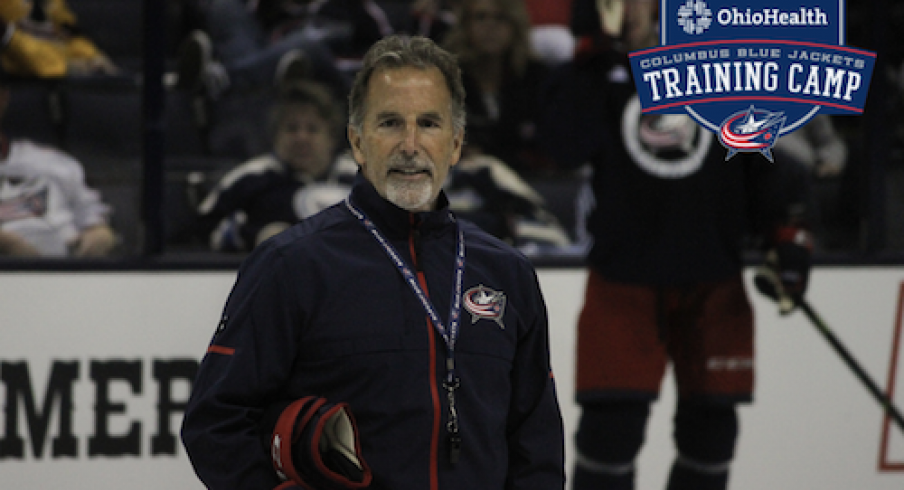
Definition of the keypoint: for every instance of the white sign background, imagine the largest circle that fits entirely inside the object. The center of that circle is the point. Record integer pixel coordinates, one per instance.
(813, 424)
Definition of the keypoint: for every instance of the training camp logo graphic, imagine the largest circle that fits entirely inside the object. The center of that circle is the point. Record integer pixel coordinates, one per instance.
(484, 302)
(752, 71)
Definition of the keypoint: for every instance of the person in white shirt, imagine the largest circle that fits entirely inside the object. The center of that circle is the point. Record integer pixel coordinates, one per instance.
(46, 207)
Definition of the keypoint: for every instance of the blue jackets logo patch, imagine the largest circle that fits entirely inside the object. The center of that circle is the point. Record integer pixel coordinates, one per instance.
(752, 71)
(484, 302)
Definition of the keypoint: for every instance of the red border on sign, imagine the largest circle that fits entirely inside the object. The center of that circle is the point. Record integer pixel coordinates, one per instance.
(884, 463)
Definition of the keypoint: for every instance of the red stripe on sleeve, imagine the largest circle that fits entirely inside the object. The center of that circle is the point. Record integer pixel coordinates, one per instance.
(218, 349)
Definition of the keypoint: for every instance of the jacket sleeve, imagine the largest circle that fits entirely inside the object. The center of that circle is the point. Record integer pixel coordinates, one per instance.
(240, 379)
(535, 431)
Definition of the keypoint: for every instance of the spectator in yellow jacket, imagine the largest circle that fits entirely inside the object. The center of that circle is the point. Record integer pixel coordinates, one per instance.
(41, 38)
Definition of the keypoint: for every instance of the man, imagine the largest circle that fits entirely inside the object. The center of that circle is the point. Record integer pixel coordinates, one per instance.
(382, 343)
(665, 286)
(46, 209)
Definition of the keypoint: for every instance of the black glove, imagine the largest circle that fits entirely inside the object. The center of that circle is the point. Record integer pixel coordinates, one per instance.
(315, 445)
(786, 270)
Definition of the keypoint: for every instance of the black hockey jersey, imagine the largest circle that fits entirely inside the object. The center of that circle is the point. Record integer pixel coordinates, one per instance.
(669, 208)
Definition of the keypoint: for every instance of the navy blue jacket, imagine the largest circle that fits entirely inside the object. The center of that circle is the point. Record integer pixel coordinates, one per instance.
(321, 310)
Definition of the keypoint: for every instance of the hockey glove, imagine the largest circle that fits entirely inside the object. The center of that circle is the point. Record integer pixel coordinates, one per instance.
(786, 271)
(315, 445)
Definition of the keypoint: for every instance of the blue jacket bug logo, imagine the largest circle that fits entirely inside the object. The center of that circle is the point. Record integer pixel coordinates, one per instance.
(751, 130)
(751, 71)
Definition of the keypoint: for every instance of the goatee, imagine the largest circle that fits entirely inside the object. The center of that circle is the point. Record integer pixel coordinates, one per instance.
(410, 195)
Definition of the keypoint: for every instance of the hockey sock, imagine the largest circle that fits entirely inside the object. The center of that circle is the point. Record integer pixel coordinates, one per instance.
(608, 439)
(705, 435)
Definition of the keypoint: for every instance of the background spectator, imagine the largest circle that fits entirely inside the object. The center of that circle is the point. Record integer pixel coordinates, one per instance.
(487, 192)
(46, 209)
(299, 177)
(41, 38)
(249, 44)
(503, 79)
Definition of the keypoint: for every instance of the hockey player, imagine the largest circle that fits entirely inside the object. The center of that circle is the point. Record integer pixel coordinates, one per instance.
(665, 281)
(383, 343)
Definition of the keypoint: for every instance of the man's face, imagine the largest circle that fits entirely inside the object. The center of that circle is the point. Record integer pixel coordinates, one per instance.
(304, 140)
(408, 141)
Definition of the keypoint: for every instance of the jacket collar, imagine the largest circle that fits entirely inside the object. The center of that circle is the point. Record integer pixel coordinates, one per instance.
(394, 221)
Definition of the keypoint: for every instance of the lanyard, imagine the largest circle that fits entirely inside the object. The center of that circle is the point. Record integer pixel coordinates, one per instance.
(450, 333)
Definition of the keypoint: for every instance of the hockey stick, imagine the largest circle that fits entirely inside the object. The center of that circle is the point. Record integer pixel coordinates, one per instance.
(766, 277)
(852, 363)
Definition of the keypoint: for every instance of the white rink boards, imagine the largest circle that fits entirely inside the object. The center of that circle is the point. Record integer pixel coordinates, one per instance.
(117, 344)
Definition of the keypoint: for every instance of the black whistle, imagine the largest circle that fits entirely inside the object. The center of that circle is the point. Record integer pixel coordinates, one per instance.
(454, 448)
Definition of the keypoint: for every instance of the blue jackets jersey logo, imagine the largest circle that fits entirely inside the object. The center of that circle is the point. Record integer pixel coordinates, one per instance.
(483, 302)
(733, 65)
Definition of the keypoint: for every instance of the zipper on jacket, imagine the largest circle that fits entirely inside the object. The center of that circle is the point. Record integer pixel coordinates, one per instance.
(414, 248)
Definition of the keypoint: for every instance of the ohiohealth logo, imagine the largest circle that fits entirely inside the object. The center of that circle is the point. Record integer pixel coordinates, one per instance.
(694, 17)
(752, 72)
